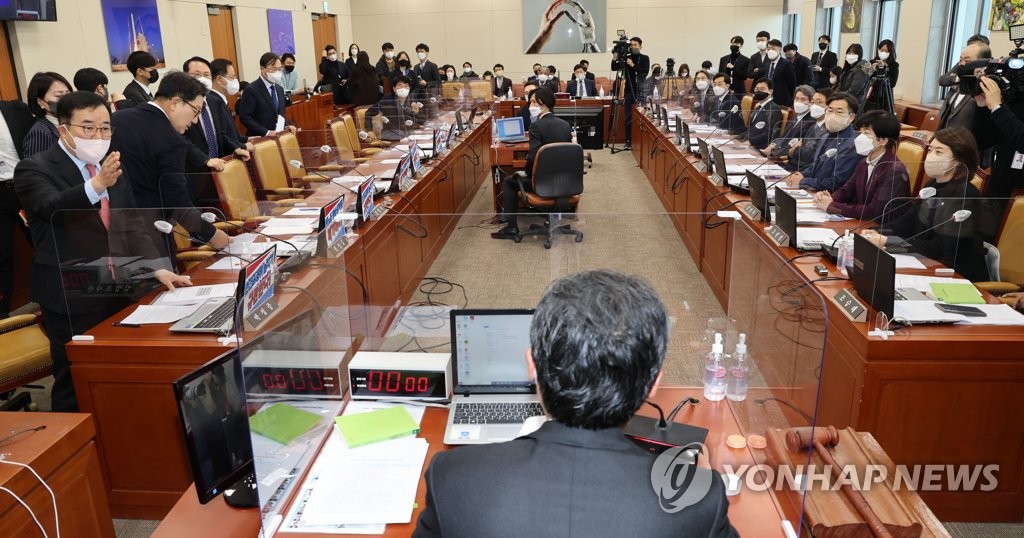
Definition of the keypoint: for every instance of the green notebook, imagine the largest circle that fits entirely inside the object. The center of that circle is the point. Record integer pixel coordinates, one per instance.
(282, 423)
(381, 425)
(956, 293)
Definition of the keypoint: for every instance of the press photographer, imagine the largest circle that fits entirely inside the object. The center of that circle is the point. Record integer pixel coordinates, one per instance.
(998, 90)
(633, 68)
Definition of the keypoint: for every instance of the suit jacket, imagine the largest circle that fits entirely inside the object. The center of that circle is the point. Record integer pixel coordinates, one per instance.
(727, 120)
(256, 110)
(795, 130)
(19, 120)
(826, 60)
(396, 114)
(1003, 131)
(428, 72)
(410, 74)
(704, 103)
(953, 113)
(198, 152)
(560, 481)
(65, 226)
(334, 73)
(153, 162)
(588, 84)
(802, 160)
(502, 89)
(524, 112)
(589, 75)
(134, 95)
(783, 82)
(859, 198)
(803, 69)
(834, 161)
(738, 73)
(764, 124)
(636, 75)
(756, 67)
(547, 129)
(224, 119)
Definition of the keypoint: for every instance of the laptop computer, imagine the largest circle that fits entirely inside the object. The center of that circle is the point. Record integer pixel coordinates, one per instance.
(492, 393)
(804, 237)
(217, 315)
(723, 172)
(511, 130)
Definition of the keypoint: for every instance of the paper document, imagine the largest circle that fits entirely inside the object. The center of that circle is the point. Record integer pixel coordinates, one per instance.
(906, 261)
(815, 235)
(280, 123)
(227, 263)
(996, 314)
(285, 231)
(389, 161)
(284, 246)
(923, 283)
(920, 311)
(195, 294)
(806, 215)
(145, 314)
(280, 222)
(302, 212)
(421, 137)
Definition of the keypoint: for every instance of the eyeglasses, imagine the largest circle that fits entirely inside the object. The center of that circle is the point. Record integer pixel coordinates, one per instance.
(193, 107)
(90, 130)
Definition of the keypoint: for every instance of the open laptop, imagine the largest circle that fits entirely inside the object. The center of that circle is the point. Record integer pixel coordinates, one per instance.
(723, 172)
(803, 237)
(492, 393)
(511, 130)
(217, 315)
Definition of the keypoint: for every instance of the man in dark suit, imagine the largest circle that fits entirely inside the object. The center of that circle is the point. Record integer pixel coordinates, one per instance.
(69, 197)
(143, 66)
(778, 70)
(225, 83)
(801, 65)
(261, 107)
(756, 68)
(153, 152)
(209, 143)
(822, 62)
(16, 121)
(728, 113)
(544, 129)
(524, 111)
(586, 68)
(836, 156)
(635, 65)
(735, 65)
(500, 84)
(957, 108)
(798, 125)
(765, 116)
(426, 72)
(580, 85)
(598, 341)
(398, 109)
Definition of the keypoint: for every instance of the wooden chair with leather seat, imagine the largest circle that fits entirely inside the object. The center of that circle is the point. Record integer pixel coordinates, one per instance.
(745, 105)
(25, 358)
(342, 140)
(238, 198)
(911, 152)
(292, 154)
(187, 254)
(1010, 243)
(557, 182)
(900, 111)
(931, 121)
(361, 122)
(980, 179)
(272, 175)
(363, 147)
(786, 113)
(480, 89)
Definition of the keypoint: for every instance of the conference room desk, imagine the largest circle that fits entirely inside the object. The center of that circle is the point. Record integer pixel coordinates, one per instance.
(929, 394)
(310, 117)
(124, 376)
(617, 135)
(752, 513)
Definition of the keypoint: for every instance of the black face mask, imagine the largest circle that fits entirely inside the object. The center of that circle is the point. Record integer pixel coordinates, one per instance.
(154, 75)
(657, 72)
(822, 46)
(760, 96)
(289, 68)
(735, 49)
(403, 63)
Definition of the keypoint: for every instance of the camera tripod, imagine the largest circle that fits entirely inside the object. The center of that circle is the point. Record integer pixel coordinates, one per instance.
(617, 105)
(884, 99)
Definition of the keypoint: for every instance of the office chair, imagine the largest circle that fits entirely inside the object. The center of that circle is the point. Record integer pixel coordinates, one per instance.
(1010, 247)
(238, 197)
(272, 176)
(746, 103)
(555, 189)
(25, 358)
(292, 153)
(931, 122)
(911, 151)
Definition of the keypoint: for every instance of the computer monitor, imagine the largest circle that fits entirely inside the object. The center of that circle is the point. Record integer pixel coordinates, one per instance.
(452, 133)
(510, 128)
(874, 275)
(364, 199)
(664, 117)
(472, 116)
(705, 155)
(459, 122)
(215, 424)
(723, 171)
(759, 196)
(785, 214)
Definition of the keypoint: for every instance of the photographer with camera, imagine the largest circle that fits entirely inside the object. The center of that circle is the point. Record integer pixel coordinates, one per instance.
(997, 124)
(633, 67)
(958, 108)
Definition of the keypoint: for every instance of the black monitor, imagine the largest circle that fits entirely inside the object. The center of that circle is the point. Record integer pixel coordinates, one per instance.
(664, 117)
(723, 171)
(215, 422)
(472, 116)
(705, 155)
(759, 196)
(785, 214)
(874, 275)
(459, 122)
(28, 10)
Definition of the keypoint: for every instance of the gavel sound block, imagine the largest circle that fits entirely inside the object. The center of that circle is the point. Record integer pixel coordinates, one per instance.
(876, 511)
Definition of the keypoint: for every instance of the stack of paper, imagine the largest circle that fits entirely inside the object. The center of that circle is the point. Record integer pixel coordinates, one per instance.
(145, 314)
(923, 283)
(195, 294)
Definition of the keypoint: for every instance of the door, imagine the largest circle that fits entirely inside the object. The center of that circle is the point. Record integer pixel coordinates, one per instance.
(222, 39)
(325, 32)
(8, 84)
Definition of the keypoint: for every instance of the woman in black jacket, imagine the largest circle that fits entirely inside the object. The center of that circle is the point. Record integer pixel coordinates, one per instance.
(884, 64)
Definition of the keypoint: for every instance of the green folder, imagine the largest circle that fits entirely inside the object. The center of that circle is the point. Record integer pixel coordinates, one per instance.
(381, 425)
(282, 423)
(956, 293)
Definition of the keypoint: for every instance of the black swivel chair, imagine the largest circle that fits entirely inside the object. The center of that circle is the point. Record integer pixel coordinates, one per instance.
(555, 189)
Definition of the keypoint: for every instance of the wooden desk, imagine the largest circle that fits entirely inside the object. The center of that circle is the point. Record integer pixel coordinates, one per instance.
(928, 395)
(617, 135)
(65, 456)
(311, 118)
(124, 376)
(751, 513)
(506, 159)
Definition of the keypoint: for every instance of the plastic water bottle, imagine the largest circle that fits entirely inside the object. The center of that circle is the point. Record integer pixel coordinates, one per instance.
(715, 372)
(655, 94)
(510, 94)
(844, 257)
(736, 388)
(600, 93)
(574, 136)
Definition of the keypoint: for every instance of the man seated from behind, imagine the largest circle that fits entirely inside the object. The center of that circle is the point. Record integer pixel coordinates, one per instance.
(597, 345)
(544, 129)
(400, 113)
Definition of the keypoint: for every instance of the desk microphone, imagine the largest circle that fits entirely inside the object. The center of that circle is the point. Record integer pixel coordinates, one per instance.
(832, 252)
(721, 114)
(958, 216)
(167, 228)
(296, 260)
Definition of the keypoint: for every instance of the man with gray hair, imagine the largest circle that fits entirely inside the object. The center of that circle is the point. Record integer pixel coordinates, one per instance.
(797, 126)
(598, 340)
(957, 108)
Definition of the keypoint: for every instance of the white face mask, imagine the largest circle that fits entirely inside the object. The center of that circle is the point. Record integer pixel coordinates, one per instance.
(936, 166)
(761, 45)
(581, 77)
(467, 70)
(773, 54)
(207, 83)
(353, 53)
(852, 58)
(817, 111)
(534, 112)
(883, 55)
(863, 144)
(718, 91)
(799, 107)
(91, 150)
(542, 78)
(389, 54)
(274, 77)
(421, 55)
(684, 74)
(332, 57)
(701, 85)
(835, 124)
(232, 86)
(402, 92)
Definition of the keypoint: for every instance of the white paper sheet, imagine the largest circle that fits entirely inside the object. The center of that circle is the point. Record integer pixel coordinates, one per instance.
(915, 311)
(146, 314)
(195, 294)
(302, 212)
(280, 222)
(421, 137)
(286, 231)
(389, 161)
(996, 314)
(906, 261)
(921, 283)
(227, 263)
(280, 123)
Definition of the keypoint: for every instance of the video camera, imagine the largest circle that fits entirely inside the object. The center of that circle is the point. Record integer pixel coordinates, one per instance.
(620, 46)
(670, 65)
(1008, 72)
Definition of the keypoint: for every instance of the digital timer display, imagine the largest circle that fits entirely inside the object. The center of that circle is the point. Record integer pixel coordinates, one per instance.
(310, 381)
(397, 383)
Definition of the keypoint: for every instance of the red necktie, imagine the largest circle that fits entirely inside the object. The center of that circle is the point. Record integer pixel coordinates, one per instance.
(104, 202)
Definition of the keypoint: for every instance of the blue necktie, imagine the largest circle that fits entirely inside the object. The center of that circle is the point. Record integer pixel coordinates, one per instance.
(211, 134)
(273, 97)
(771, 71)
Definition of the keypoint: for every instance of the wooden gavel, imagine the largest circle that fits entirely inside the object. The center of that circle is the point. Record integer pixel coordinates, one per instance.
(799, 439)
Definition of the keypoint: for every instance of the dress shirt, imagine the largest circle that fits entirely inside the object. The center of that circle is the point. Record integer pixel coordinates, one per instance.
(8, 152)
(144, 88)
(94, 197)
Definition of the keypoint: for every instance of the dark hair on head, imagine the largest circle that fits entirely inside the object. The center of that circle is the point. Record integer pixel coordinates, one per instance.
(575, 67)
(423, 47)
(537, 65)
(180, 85)
(363, 59)
(401, 79)
(738, 39)
(825, 37)
(204, 61)
(287, 56)
(219, 67)
(890, 46)
(82, 99)
(706, 64)
(467, 64)
(527, 84)
(387, 46)
(87, 79)
(37, 88)
(598, 340)
(400, 54)
(544, 96)
(978, 38)
(637, 39)
(964, 147)
(268, 59)
(584, 62)
(764, 80)
(789, 47)
(883, 124)
(684, 67)
(775, 43)
(702, 72)
(498, 66)
(856, 49)
(140, 60)
(984, 51)
(826, 92)
(329, 48)
(487, 74)
(764, 34)
(835, 70)
(851, 101)
(445, 67)
(727, 78)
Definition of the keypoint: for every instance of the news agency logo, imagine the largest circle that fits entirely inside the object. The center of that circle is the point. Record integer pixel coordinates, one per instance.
(677, 480)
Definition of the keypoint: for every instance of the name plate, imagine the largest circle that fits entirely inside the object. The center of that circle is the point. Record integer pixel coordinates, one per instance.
(717, 180)
(779, 237)
(699, 166)
(851, 306)
(751, 212)
(261, 314)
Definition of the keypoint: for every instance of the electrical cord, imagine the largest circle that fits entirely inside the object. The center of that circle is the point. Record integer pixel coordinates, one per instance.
(56, 517)
(30, 512)
(707, 221)
(20, 432)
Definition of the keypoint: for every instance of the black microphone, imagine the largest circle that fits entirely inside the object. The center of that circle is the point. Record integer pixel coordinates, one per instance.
(721, 114)
(295, 260)
(958, 216)
(832, 252)
(167, 228)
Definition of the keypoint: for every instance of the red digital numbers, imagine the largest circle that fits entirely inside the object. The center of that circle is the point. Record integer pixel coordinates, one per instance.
(393, 382)
(297, 380)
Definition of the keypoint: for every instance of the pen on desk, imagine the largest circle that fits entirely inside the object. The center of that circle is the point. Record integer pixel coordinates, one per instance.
(129, 325)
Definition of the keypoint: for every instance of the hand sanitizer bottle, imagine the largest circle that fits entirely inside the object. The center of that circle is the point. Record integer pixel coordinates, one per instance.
(736, 387)
(600, 93)
(715, 372)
